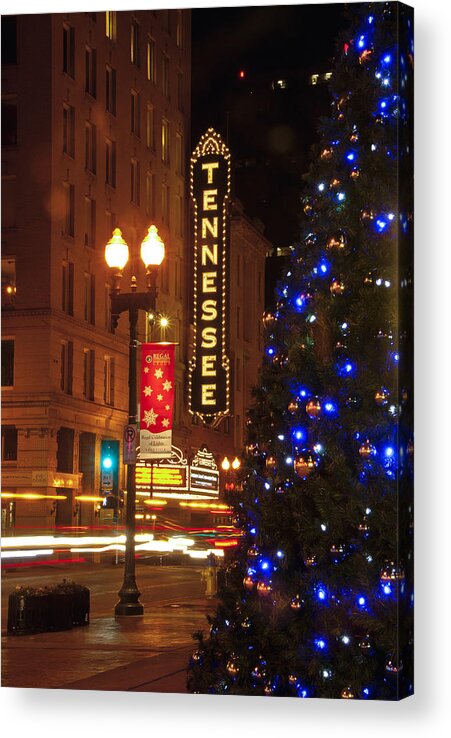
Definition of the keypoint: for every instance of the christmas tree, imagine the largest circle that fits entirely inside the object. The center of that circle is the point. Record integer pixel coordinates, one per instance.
(317, 601)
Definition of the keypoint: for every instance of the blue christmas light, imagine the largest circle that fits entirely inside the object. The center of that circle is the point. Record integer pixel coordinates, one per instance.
(366, 693)
(321, 593)
(270, 351)
(345, 368)
(387, 59)
(321, 187)
(330, 408)
(302, 392)
(386, 588)
(341, 196)
(302, 692)
(253, 531)
(281, 437)
(320, 644)
(264, 565)
(361, 42)
(370, 19)
(389, 451)
(323, 266)
(288, 460)
(318, 448)
(299, 434)
(280, 554)
(267, 485)
(361, 601)
(351, 156)
(345, 639)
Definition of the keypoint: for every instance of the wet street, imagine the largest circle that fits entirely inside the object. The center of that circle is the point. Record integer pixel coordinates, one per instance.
(174, 607)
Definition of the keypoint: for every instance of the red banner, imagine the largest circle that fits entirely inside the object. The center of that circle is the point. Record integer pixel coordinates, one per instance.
(157, 400)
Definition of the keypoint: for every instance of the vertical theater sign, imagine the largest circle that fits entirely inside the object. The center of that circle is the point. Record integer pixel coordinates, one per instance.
(209, 371)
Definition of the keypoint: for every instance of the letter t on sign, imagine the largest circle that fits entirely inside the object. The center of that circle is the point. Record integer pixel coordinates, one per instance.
(209, 166)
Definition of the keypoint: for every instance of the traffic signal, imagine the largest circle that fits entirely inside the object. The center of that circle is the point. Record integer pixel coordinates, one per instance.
(109, 473)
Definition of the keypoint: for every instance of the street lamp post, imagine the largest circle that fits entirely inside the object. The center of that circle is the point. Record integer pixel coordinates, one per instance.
(116, 256)
(230, 475)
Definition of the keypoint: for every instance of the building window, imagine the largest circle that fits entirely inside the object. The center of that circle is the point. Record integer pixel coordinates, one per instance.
(91, 71)
(165, 76)
(135, 113)
(69, 219)
(90, 222)
(67, 358)
(67, 293)
(150, 126)
(179, 153)
(9, 39)
(110, 90)
(69, 130)
(238, 430)
(151, 61)
(165, 141)
(8, 363)
(110, 24)
(179, 29)
(178, 215)
(178, 279)
(110, 162)
(107, 295)
(90, 298)
(90, 147)
(165, 204)
(180, 91)
(65, 450)
(134, 181)
(88, 373)
(9, 122)
(9, 443)
(8, 272)
(134, 44)
(238, 322)
(110, 223)
(238, 374)
(108, 395)
(150, 194)
(69, 50)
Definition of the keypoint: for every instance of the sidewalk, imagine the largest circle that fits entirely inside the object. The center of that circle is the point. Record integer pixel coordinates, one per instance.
(145, 654)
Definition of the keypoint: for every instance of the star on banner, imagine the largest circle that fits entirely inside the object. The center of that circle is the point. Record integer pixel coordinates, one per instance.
(148, 390)
(167, 385)
(165, 422)
(150, 417)
(146, 370)
(159, 398)
(167, 407)
(158, 373)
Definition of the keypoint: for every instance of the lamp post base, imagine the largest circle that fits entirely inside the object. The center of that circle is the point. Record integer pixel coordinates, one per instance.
(128, 608)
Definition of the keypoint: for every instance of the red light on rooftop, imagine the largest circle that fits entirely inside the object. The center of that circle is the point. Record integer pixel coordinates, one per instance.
(242, 74)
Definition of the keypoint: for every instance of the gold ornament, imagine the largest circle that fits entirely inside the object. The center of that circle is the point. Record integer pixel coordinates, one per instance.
(354, 138)
(296, 602)
(293, 407)
(232, 665)
(264, 589)
(347, 694)
(258, 672)
(392, 573)
(367, 214)
(365, 56)
(271, 462)
(335, 182)
(253, 551)
(326, 153)
(310, 561)
(381, 397)
(308, 208)
(393, 666)
(304, 464)
(313, 408)
(292, 679)
(367, 450)
(268, 319)
(365, 643)
(336, 242)
(337, 287)
(248, 583)
(355, 173)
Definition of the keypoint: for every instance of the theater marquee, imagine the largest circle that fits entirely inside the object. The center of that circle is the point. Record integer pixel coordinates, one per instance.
(209, 371)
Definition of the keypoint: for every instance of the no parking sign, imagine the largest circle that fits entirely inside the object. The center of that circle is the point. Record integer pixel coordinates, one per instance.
(130, 434)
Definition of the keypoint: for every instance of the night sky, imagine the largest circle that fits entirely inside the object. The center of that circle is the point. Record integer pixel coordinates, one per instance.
(268, 131)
